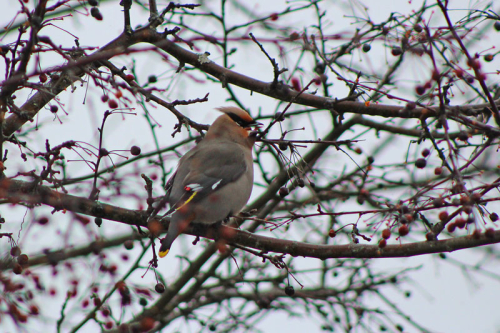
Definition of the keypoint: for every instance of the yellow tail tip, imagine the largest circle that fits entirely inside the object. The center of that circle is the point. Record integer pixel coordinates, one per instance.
(163, 253)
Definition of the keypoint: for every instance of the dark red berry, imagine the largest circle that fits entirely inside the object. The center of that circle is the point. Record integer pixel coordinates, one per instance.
(488, 57)
(284, 191)
(112, 104)
(382, 243)
(420, 90)
(95, 13)
(386, 234)
(134, 150)
(289, 290)
(22, 259)
(463, 136)
(430, 236)
(403, 230)
(396, 51)
(443, 216)
(489, 233)
(420, 163)
(15, 251)
(296, 83)
(160, 288)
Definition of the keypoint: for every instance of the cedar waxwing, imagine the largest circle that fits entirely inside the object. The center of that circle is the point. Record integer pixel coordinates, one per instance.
(214, 180)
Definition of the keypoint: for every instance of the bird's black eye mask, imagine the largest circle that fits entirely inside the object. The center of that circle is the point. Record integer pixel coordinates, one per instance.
(243, 123)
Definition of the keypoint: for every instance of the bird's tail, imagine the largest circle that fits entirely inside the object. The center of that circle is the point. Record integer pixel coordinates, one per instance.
(177, 224)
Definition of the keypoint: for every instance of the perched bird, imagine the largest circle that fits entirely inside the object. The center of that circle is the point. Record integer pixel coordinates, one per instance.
(214, 180)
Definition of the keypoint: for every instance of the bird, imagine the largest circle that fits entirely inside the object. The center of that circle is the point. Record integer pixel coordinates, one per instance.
(214, 180)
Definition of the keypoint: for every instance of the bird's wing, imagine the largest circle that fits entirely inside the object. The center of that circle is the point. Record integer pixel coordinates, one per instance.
(204, 172)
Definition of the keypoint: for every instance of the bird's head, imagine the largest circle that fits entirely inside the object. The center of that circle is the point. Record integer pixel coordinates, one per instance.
(239, 116)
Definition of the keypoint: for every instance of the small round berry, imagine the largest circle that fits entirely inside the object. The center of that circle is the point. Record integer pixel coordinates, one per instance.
(443, 216)
(160, 288)
(438, 171)
(18, 269)
(296, 83)
(382, 243)
(494, 217)
(112, 104)
(403, 230)
(430, 236)
(43, 77)
(289, 290)
(54, 108)
(463, 136)
(460, 222)
(22, 259)
(489, 233)
(426, 152)
(15, 251)
(497, 25)
(143, 301)
(396, 51)
(420, 90)
(129, 77)
(464, 199)
(332, 233)
(283, 146)
(284, 191)
(273, 17)
(152, 79)
(134, 150)
(103, 152)
(104, 98)
(320, 68)
(95, 13)
(451, 227)
(43, 220)
(488, 57)
(386, 234)
(129, 244)
(420, 163)
(366, 48)
(476, 234)
(417, 27)
(93, 3)
(467, 209)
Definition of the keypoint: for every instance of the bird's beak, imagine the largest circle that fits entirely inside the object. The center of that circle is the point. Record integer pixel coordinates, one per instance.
(255, 124)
